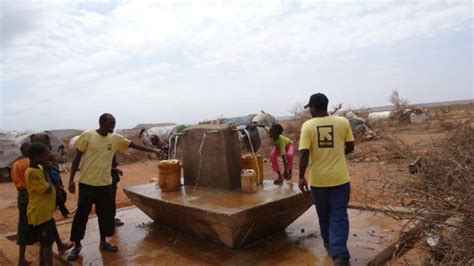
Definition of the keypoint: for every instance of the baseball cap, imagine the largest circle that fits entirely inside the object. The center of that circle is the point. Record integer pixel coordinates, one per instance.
(317, 99)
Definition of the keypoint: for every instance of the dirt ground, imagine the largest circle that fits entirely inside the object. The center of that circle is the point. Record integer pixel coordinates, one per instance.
(374, 166)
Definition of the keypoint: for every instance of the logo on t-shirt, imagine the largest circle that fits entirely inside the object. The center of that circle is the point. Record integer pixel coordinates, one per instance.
(325, 136)
(109, 147)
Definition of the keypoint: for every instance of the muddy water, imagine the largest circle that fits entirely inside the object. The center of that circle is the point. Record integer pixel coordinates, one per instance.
(143, 242)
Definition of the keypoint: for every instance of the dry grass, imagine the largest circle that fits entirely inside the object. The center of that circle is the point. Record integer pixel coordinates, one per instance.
(441, 197)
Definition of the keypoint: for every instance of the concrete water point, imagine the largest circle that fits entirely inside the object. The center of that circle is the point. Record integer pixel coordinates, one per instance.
(225, 217)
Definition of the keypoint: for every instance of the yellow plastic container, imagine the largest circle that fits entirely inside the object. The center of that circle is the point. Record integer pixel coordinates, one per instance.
(248, 181)
(169, 175)
(254, 162)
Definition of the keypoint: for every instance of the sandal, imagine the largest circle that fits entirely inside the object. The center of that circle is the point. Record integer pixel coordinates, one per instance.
(65, 247)
(74, 254)
(108, 247)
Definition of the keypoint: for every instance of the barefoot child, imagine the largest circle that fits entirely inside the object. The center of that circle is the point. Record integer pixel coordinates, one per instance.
(24, 231)
(55, 176)
(52, 169)
(285, 148)
(116, 173)
(42, 203)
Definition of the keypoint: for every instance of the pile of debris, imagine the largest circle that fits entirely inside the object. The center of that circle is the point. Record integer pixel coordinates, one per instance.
(360, 128)
(413, 115)
(442, 209)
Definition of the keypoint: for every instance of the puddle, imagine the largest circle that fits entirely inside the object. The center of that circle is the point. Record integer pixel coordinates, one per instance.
(143, 242)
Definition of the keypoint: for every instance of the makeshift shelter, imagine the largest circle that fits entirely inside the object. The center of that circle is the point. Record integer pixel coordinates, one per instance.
(9, 152)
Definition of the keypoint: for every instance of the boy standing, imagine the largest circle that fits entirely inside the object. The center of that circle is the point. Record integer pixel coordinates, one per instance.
(116, 173)
(42, 202)
(18, 175)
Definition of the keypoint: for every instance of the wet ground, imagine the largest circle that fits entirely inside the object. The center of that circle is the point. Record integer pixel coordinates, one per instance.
(231, 218)
(143, 242)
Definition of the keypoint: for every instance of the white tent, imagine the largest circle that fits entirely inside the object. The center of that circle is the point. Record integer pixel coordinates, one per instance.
(9, 150)
(57, 145)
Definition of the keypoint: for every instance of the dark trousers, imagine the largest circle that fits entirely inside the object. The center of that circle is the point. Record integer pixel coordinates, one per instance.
(61, 198)
(102, 198)
(25, 232)
(114, 195)
(331, 206)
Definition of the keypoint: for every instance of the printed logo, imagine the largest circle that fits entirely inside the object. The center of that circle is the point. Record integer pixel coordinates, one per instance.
(326, 136)
(109, 147)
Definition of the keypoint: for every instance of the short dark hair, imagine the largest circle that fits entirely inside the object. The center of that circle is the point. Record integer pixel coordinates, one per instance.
(104, 117)
(318, 100)
(41, 137)
(35, 149)
(24, 148)
(277, 128)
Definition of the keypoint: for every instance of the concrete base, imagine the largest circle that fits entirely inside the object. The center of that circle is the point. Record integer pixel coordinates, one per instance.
(230, 218)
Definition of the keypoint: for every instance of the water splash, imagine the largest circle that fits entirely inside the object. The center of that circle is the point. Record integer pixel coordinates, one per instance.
(254, 156)
(175, 146)
(169, 143)
(250, 141)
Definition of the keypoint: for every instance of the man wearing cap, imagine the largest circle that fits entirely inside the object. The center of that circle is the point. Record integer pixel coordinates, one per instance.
(324, 142)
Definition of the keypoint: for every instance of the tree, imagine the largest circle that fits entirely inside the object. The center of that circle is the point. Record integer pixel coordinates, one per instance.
(398, 103)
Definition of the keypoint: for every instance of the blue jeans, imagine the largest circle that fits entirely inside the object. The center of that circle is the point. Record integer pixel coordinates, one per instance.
(331, 206)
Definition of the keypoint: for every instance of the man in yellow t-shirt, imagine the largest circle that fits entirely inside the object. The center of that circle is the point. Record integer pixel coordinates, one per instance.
(94, 152)
(325, 140)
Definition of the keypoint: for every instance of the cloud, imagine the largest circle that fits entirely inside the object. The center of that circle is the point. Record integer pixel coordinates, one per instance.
(77, 56)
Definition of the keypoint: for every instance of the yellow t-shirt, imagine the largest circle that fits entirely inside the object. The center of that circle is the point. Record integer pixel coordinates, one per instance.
(98, 151)
(41, 202)
(325, 137)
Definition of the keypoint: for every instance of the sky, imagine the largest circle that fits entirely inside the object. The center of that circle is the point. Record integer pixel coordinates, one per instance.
(63, 63)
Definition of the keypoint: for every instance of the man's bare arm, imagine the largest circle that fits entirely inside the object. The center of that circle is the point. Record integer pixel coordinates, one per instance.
(143, 148)
(74, 167)
(349, 147)
(304, 159)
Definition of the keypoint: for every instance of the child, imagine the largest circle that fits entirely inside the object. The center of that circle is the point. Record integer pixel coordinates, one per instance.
(285, 148)
(24, 231)
(116, 173)
(42, 203)
(61, 196)
(160, 144)
(52, 169)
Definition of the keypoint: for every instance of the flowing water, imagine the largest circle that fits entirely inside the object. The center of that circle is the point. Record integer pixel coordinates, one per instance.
(200, 155)
(253, 152)
(175, 145)
(169, 144)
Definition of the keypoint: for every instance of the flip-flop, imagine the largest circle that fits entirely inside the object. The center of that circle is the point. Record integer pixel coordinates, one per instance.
(108, 247)
(65, 248)
(74, 254)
